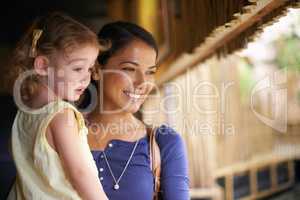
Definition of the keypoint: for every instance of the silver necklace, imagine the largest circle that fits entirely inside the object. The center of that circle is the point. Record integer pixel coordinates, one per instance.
(117, 186)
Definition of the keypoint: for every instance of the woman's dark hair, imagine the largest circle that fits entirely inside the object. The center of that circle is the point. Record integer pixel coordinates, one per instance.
(119, 34)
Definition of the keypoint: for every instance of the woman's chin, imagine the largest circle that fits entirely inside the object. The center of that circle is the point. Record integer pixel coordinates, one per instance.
(132, 107)
(134, 110)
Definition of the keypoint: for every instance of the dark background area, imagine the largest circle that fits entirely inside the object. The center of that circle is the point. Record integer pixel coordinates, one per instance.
(16, 16)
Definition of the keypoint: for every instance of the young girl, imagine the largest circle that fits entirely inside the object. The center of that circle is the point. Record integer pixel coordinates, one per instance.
(49, 138)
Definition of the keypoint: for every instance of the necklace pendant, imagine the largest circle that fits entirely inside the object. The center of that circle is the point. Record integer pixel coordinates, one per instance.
(116, 186)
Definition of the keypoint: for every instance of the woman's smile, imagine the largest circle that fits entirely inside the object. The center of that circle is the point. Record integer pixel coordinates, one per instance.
(135, 96)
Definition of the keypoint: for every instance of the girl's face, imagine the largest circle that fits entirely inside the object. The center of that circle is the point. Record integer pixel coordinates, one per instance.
(128, 77)
(71, 73)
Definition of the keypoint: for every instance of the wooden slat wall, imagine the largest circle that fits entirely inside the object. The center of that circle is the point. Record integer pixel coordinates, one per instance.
(211, 153)
(251, 137)
(219, 39)
(191, 124)
(199, 18)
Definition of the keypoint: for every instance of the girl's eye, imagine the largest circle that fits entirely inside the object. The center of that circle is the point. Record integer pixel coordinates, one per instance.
(77, 69)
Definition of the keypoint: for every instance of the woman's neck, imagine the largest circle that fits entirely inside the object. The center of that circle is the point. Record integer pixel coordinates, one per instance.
(111, 118)
(108, 113)
(122, 126)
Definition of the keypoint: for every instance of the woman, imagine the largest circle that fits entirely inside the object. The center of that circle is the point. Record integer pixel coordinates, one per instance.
(118, 140)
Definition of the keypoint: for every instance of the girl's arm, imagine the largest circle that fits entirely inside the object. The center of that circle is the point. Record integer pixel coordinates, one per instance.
(64, 133)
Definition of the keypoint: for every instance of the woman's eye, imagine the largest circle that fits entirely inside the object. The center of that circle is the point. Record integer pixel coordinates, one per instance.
(151, 72)
(128, 69)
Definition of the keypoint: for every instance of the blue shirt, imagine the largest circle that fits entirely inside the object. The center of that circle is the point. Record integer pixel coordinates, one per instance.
(137, 182)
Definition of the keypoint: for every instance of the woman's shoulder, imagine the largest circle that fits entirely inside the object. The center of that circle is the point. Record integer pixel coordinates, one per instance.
(168, 138)
(172, 146)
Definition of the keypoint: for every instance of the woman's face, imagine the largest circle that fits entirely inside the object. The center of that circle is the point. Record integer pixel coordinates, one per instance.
(128, 78)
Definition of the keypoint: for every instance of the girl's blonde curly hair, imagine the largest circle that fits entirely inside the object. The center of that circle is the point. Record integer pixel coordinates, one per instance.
(57, 32)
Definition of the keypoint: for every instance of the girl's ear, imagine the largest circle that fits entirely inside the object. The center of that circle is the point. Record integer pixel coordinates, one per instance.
(96, 73)
(40, 65)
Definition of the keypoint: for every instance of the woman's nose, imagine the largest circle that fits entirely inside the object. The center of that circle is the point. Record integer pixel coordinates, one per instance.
(140, 79)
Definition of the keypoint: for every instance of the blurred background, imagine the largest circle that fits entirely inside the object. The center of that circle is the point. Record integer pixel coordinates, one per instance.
(228, 82)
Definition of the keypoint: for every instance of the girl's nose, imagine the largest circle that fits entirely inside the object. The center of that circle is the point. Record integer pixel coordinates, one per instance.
(86, 78)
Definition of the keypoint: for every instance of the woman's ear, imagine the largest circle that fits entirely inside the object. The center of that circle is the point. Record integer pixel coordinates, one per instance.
(40, 65)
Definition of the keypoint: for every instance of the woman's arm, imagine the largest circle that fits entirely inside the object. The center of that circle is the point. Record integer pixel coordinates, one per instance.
(64, 131)
(174, 174)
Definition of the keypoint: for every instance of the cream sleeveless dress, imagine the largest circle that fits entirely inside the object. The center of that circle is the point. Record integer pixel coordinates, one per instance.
(40, 174)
